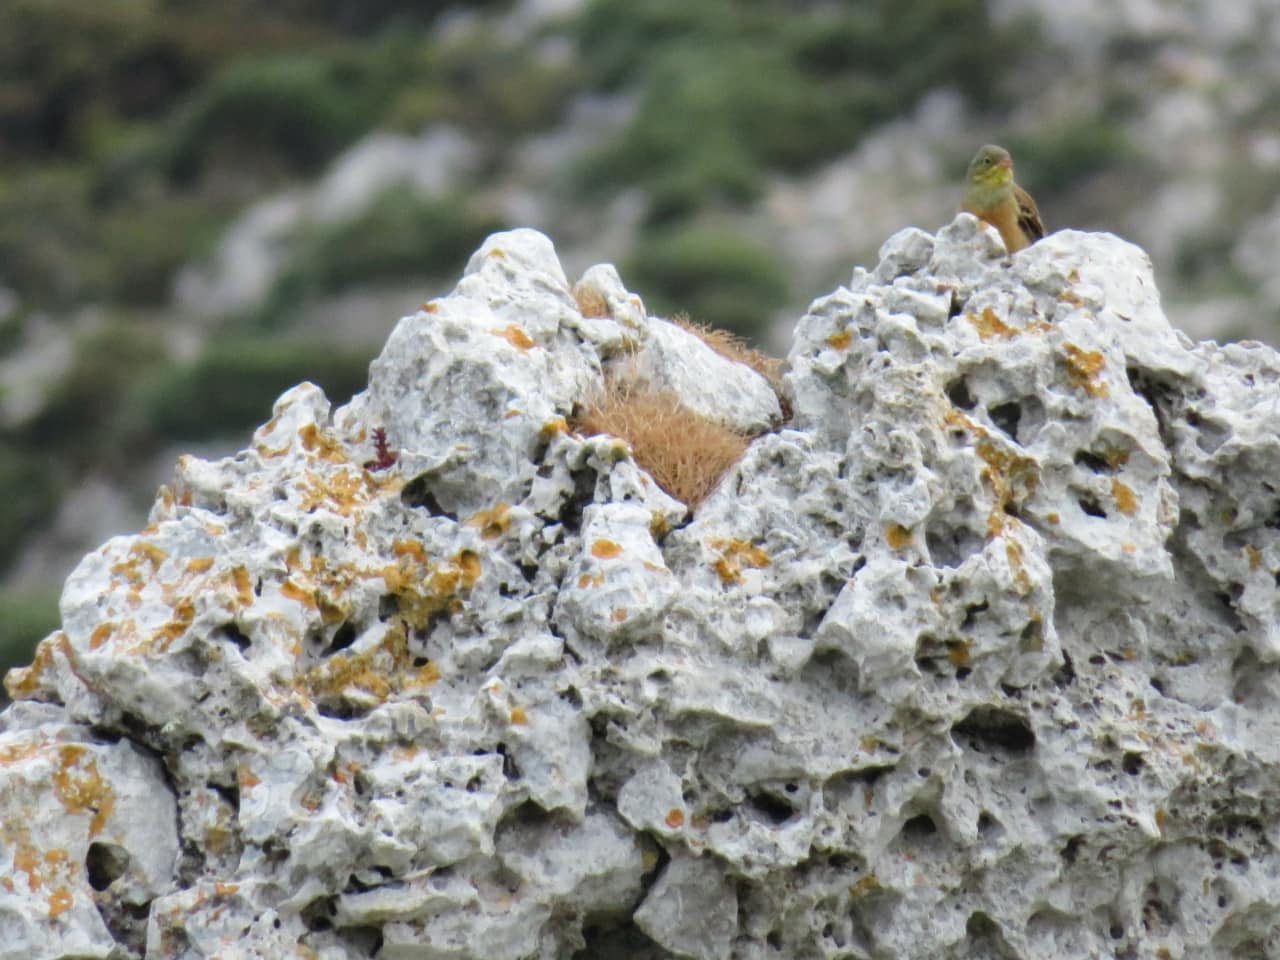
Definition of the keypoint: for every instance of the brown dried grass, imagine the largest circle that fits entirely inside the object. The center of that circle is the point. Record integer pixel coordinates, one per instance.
(685, 452)
(733, 347)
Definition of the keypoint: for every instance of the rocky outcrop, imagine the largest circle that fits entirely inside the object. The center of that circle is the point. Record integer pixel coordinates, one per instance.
(976, 656)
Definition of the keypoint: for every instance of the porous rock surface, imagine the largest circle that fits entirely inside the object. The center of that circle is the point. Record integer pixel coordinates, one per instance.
(976, 657)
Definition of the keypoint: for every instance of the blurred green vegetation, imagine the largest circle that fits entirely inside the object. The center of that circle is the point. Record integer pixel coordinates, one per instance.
(714, 273)
(400, 235)
(1058, 158)
(26, 618)
(728, 91)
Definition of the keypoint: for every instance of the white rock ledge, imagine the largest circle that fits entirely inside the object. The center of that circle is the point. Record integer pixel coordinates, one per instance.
(976, 657)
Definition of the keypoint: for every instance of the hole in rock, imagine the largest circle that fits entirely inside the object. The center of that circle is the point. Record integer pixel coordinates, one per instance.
(584, 491)
(529, 571)
(318, 914)
(1132, 763)
(1065, 675)
(388, 606)
(986, 728)
(919, 827)
(230, 794)
(774, 809)
(971, 612)
(229, 631)
(417, 493)
(1091, 506)
(1006, 416)
(951, 546)
(616, 939)
(959, 395)
(105, 863)
(1092, 462)
(1117, 931)
(343, 637)
(1071, 849)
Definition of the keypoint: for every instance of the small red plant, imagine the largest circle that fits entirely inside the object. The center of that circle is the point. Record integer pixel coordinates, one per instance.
(386, 457)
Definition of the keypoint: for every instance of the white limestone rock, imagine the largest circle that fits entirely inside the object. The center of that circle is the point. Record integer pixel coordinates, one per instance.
(977, 656)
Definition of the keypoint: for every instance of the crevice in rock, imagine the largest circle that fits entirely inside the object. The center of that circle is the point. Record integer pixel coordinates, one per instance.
(1006, 416)
(584, 491)
(318, 914)
(105, 863)
(417, 493)
(992, 729)
(1092, 461)
(959, 395)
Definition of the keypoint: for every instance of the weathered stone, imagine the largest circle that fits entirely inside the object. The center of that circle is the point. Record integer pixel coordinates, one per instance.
(977, 656)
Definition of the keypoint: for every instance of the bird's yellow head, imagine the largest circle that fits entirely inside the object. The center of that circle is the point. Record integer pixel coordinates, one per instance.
(991, 167)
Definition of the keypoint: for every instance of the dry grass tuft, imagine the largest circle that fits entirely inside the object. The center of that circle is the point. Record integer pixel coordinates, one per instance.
(732, 347)
(685, 452)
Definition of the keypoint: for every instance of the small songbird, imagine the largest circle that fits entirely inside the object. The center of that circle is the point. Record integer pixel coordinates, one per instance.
(991, 195)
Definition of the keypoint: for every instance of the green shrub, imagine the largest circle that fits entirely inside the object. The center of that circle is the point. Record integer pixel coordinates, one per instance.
(28, 495)
(232, 386)
(26, 618)
(296, 109)
(728, 92)
(401, 235)
(1068, 152)
(714, 273)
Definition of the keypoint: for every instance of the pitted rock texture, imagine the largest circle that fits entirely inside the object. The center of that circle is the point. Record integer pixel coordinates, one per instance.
(976, 657)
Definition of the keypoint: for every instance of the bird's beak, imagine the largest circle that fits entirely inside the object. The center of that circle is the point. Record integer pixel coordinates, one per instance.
(1007, 163)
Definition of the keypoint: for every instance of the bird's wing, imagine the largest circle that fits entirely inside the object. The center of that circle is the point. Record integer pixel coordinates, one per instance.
(1028, 215)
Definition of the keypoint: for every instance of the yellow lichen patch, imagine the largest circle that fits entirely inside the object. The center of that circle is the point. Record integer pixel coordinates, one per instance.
(199, 565)
(409, 548)
(515, 336)
(378, 672)
(617, 614)
(1013, 478)
(468, 564)
(322, 443)
(554, 427)
(605, 549)
(674, 818)
(129, 570)
(590, 300)
(493, 523)
(245, 778)
(868, 884)
(429, 307)
(989, 325)
(340, 492)
(80, 788)
(1125, 500)
(225, 890)
(1083, 368)
(518, 717)
(24, 683)
(1254, 555)
(735, 554)
(960, 652)
(243, 586)
(590, 580)
(59, 902)
(1021, 579)
(897, 536)
(840, 340)
(183, 613)
(291, 591)
(99, 635)
(1053, 518)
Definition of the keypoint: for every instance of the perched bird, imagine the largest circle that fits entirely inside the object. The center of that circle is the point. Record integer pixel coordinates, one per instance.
(991, 195)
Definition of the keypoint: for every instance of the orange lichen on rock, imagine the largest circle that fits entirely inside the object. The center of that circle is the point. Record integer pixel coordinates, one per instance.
(685, 452)
(1124, 497)
(674, 818)
(605, 549)
(840, 341)
(591, 302)
(897, 536)
(378, 672)
(1083, 368)
(493, 522)
(515, 336)
(80, 788)
(734, 555)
